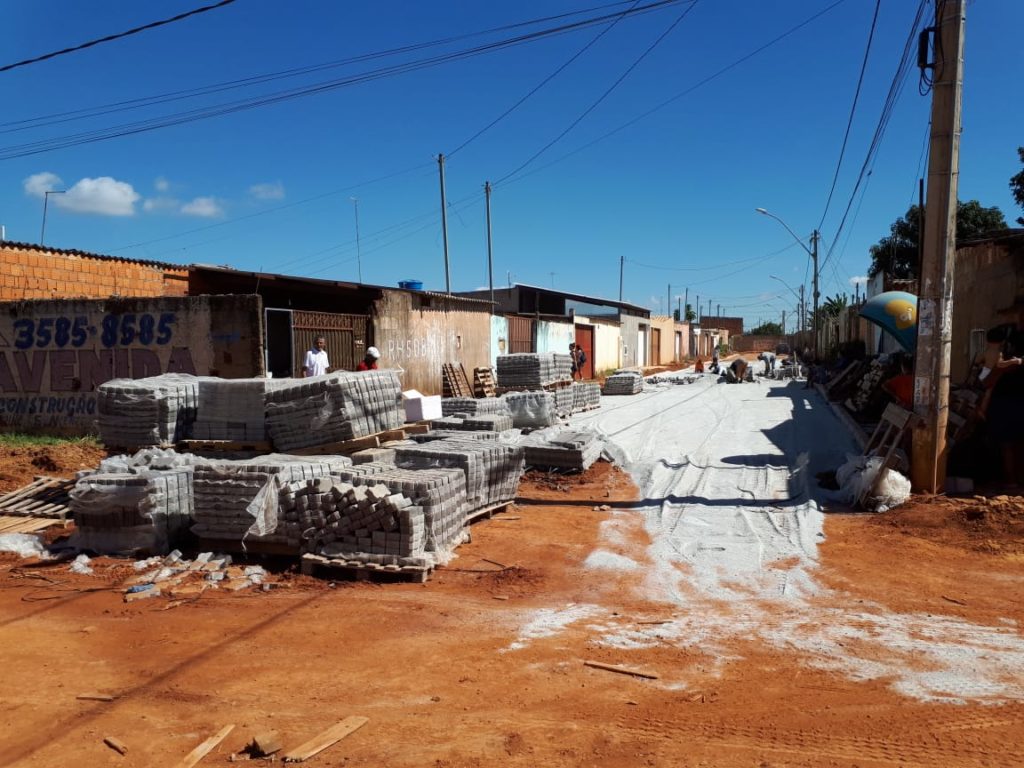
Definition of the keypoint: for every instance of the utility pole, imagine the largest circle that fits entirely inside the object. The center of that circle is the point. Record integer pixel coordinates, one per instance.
(686, 304)
(803, 314)
(783, 322)
(679, 308)
(709, 306)
(698, 309)
(815, 236)
(359, 254)
(622, 267)
(490, 258)
(935, 305)
(719, 310)
(46, 201)
(668, 306)
(444, 228)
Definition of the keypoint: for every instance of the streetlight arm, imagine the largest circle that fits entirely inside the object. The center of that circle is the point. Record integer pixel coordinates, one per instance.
(771, 215)
(773, 277)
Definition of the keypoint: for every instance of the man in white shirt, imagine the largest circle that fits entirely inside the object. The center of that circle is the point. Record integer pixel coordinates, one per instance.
(316, 363)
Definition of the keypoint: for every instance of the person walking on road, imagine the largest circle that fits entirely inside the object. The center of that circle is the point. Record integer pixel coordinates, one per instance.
(316, 363)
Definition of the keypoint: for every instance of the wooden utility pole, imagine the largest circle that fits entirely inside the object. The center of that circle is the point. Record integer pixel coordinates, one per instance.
(935, 292)
(490, 258)
(815, 236)
(444, 228)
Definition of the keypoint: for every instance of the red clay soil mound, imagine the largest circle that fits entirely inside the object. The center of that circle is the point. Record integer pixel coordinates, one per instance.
(20, 464)
(603, 483)
(994, 525)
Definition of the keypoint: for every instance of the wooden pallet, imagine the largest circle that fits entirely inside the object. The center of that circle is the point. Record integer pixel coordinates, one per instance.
(486, 513)
(346, 447)
(455, 381)
(483, 382)
(23, 524)
(225, 446)
(43, 497)
(334, 568)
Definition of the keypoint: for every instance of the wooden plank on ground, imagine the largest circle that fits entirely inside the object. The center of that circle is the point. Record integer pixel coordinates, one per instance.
(620, 669)
(328, 738)
(205, 748)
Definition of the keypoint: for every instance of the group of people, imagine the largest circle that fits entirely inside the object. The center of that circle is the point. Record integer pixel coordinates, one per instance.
(317, 362)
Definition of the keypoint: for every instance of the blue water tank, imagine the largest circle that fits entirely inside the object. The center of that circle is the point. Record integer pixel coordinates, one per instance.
(411, 285)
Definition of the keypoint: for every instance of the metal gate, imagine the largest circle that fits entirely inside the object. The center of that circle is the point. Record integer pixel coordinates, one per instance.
(520, 334)
(585, 339)
(346, 337)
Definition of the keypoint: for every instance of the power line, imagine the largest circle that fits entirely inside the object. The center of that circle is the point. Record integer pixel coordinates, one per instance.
(693, 269)
(540, 85)
(121, 106)
(603, 96)
(118, 36)
(895, 88)
(217, 110)
(853, 110)
(681, 94)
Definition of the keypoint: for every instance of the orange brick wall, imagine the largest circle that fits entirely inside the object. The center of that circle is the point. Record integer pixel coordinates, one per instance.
(31, 273)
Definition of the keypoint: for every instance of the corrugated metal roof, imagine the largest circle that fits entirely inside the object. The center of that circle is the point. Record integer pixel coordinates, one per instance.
(89, 255)
(337, 283)
(595, 300)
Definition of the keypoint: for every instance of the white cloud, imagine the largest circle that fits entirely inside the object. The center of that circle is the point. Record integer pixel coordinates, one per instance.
(104, 196)
(157, 204)
(38, 184)
(859, 280)
(161, 184)
(206, 207)
(270, 191)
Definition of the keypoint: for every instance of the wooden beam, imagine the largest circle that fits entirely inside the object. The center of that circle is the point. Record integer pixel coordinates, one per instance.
(621, 670)
(328, 738)
(205, 748)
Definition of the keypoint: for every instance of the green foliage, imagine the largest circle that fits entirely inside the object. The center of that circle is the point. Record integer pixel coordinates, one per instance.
(896, 254)
(1017, 186)
(767, 329)
(691, 316)
(19, 440)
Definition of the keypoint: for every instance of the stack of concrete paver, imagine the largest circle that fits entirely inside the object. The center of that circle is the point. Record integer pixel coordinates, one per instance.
(151, 411)
(328, 409)
(531, 410)
(586, 395)
(486, 422)
(440, 493)
(363, 522)
(238, 499)
(120, 511)
(473, 406)
(230, 409)
(444, 434)
(492, 468)
(564, 399)
(533, 370)
(564, 448)
(624, 383)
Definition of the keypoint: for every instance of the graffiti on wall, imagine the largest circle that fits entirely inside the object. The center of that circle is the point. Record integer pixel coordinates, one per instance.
(420, 347)
(51, 365)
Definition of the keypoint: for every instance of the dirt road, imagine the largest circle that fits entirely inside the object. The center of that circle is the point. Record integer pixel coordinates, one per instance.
(875, 644)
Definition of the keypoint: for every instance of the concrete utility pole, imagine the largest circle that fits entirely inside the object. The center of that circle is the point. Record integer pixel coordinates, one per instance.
(668, 306)
(783, 322)
(709, 306)
(490, 258)
(686, 304)
(803, 312)
(46, 202)
(935, 302)
(359, 253)
(698, 309)
(815, 236)
(444, 228)
(622, 267)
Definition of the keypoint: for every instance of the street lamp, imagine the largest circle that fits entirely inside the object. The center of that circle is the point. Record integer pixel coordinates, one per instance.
(813, 253)
(46, 201)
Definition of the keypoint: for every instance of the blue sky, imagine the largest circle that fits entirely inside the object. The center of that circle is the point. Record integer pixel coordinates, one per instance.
(675, 192)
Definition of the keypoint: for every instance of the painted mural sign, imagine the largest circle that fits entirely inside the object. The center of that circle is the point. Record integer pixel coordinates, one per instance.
(55, 354)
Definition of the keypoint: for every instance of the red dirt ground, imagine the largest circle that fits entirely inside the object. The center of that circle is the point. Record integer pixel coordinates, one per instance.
(430, 666)
(18, 466)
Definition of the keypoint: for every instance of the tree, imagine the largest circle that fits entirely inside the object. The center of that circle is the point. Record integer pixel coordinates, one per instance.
(690, 314)
(767, 329)
(896, 254)
(1017, 186)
